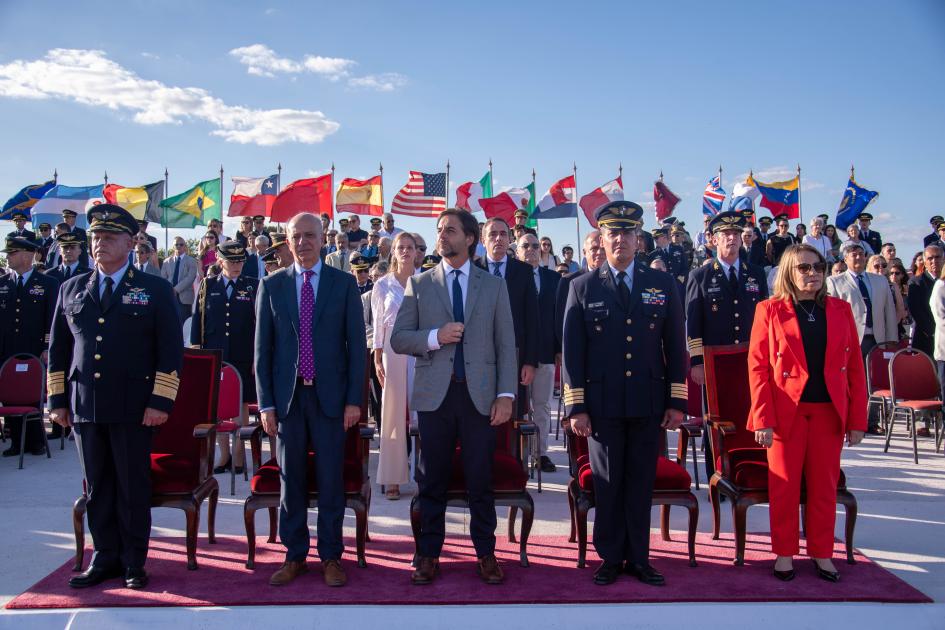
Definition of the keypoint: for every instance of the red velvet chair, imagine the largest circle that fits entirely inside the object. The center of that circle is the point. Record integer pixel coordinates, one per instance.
(266, 484)
(877, 377)
(672, 487)
(509, 481)
(182, 453)
(229, 414)
(691, 428)
(915, 391)
(22, 389)
(741, 466)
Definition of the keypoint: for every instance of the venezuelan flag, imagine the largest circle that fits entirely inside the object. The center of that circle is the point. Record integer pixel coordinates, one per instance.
(360, 196)
(780, 197)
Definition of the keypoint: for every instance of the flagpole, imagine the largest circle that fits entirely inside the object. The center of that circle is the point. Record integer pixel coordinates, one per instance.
(278, 186)
(800, 208)
(106, 179)
(380, 167)
(447, 183)
(720, 181)
(577, 212)
(537, 229)
(221, 201)
(333, 195)
(55, 177)
(166, 239)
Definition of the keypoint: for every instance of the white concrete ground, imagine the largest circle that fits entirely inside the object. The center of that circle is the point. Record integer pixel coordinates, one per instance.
(900, 526)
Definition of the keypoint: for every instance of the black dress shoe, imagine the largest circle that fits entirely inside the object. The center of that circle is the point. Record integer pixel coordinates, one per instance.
(11, 452)
(546, 465)
(93, 576)
(136, 578)
(784, 576)
(824, 574)
(224, 468)
(606, 574)
(41, 450)
(239, 470)
(645, 573)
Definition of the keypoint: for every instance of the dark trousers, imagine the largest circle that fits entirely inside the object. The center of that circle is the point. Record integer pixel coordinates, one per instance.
(456, 418)
(306, 425)
(867, 344)
(623, 454)
(116, 459)
(185, 310)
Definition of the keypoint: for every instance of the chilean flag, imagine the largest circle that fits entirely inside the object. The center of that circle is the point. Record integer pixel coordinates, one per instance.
(599, 197)
(253, 195)
(560, 202)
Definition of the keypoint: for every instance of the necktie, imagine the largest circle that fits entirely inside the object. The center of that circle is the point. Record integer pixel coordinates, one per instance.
(19, 286)
(537, 282)
(306, 306)
(732, 280)
(623, 291)
(107, 294)
(866, 300)
(229, 289)
(176, 272)
(497, 269)
(459, 363)
(66, 273)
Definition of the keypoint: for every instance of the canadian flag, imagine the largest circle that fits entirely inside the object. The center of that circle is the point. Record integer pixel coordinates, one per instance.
(597, 198)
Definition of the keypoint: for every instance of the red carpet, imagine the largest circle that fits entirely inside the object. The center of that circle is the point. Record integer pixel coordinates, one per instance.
(552, 578)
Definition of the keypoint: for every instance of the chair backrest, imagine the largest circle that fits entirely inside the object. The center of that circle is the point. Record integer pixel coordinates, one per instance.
(694, 402)
(22, 381)
(196, 403)
(727, 396)
(230, 403)
(912, 376)
(877, 364)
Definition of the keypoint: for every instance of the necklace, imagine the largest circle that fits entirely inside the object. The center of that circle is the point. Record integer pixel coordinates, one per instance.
(810, 314)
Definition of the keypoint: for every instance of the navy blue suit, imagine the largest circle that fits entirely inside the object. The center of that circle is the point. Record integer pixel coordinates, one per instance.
(310, 414)
(547, 335)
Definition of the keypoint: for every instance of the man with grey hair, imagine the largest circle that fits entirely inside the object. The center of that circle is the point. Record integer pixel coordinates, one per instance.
(920, 290)
(389, 229)
(818, 240)
(339, 258)
(383, 249)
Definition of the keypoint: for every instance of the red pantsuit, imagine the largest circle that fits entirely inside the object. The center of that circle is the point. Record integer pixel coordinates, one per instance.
(808, 437)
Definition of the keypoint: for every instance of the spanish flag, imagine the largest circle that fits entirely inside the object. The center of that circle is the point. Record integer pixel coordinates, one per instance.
(360, 196)
(193, 207)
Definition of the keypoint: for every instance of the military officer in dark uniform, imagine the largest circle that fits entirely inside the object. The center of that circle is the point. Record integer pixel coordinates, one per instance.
(673, 256)
(721, 297)
(866, 234)
(27, 301)
(624, 363)
(19, 220)
(69, 217)
(359, 269)
(929, 239)
(70, 250)
(224, 318)
(45, 238)
(114, 359)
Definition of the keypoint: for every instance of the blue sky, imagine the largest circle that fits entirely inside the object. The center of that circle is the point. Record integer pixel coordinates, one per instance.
(674, 86)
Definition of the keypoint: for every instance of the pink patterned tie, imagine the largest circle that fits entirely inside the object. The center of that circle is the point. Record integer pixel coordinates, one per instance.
(306, 306)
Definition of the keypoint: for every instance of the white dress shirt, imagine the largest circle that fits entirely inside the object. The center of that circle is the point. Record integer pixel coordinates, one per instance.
(116, 278)
(299, 279)
(503, 265)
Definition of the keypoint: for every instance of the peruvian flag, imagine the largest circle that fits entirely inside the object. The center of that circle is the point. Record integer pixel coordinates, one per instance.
(597, 198)
(303, 195)
(253, 195)
(469, 194)
(560, 202)
(665, 200)
(504, 205)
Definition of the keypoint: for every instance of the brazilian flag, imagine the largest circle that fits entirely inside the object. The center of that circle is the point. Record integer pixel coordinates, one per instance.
(197, 206)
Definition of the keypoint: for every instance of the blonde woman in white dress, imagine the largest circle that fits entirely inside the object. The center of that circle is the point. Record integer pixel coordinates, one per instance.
(394, 371)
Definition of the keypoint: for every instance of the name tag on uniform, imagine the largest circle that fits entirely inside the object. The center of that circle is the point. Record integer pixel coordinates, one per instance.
(653, 297)
(37, 290)
(595, 305)
(715, 289)
(136, 296)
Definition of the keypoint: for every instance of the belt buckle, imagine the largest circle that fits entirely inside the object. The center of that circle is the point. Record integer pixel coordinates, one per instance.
(308, 382)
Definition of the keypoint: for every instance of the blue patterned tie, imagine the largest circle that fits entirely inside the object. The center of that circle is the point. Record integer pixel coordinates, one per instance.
(866, 300)
(459, 364)
(496, 269)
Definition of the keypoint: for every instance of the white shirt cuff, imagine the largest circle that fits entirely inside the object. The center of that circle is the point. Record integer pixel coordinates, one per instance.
(264, 409)
(432, 343)
(505, 395)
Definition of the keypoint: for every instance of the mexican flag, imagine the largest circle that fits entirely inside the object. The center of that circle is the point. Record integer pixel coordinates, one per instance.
(469, 194)
(194, 207)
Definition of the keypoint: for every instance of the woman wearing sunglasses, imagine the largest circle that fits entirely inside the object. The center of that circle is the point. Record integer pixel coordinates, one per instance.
(808, 393)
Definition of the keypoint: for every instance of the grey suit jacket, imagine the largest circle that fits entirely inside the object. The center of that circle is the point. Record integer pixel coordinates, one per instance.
(154, 269)
(488, 340)
(884, 306)
(339, 260)
(184, 289)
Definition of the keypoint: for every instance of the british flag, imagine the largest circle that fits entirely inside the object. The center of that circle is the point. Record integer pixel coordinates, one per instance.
(713, 197)
(424, 195)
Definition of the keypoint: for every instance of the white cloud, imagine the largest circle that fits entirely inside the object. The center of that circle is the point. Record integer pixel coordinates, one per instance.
(271, 11)
(777, 174)
(386, 82)
(150, 55)
(260, 60)
(317, 172)
(90, 78)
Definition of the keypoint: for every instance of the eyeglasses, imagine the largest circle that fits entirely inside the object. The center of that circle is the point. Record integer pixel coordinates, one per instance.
(546, 244)
(421, 248)
(805, 268)
(895, 272)
(879, 265)
(530, 246)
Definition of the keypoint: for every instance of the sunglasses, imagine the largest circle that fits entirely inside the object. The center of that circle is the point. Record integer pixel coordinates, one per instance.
(421, 248)
(879, 266)
(530, 246)
(818, 267)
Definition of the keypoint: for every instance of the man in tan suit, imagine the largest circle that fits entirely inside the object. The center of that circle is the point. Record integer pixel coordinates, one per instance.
(874, 308)
(181, 271)
(339, 258)
(456, 319)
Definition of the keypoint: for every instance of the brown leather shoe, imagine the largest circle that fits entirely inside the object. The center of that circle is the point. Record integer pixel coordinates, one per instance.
(489, 570)
(334, 573)
(427, 569)
(288, 572)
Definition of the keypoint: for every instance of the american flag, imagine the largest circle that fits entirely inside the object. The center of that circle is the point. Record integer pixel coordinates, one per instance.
(424, 195)
(713, 197)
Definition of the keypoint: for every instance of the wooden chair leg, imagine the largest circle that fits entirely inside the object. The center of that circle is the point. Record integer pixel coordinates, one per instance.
(573, 536)
(739, 514)
(273, 525)
(513, 514)
(193, 526)
(528, 516)
(78, 526)
(716, 509)
(850, 507)
(664, 522)
(581, 518)
(249, 520)
(212, 515)
(693, 508)
(360, 530)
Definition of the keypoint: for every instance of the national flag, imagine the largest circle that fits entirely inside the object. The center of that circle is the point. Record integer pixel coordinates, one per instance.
(424, 195)
(143, 202)
(504, 205)
(24, 200)
(531, 221)
(196, 206)
(76, 198)
(597, 198)
(665, 199)
(713, 197)
(781, 197)
(746, 188)
(253, 195)
(560, 202)
(853, 204)
(469, 194)
(303, 195)
(360, 196)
